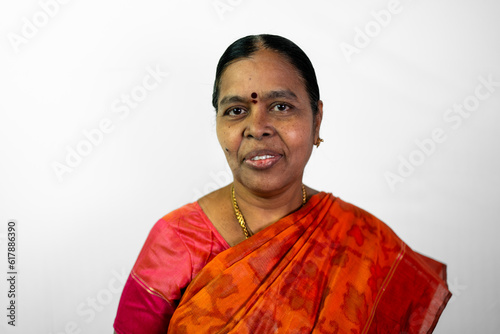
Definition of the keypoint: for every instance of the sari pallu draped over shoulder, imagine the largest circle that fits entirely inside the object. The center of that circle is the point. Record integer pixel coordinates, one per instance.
(329, 267)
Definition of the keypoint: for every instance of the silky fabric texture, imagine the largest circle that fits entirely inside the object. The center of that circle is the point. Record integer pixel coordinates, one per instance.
(177, 248)
(330, 267)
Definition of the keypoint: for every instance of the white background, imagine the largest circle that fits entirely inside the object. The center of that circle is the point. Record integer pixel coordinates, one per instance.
(80, 234)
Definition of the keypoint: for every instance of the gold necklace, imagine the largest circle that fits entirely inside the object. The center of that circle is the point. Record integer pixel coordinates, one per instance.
(240, 218)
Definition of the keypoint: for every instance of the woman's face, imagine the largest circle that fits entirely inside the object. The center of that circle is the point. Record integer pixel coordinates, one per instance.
(265, 122)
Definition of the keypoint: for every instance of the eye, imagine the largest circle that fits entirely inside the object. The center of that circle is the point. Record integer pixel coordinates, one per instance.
(281, 107)
(235, 111)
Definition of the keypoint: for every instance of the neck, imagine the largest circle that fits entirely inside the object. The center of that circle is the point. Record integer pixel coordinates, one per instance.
(263, 209)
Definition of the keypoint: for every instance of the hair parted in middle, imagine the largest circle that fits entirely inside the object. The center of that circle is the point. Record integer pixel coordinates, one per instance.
(246, 46)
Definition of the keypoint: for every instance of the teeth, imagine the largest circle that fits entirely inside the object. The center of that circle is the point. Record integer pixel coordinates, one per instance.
(262, 157)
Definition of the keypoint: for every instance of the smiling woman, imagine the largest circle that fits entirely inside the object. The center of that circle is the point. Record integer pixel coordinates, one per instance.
(267, 254)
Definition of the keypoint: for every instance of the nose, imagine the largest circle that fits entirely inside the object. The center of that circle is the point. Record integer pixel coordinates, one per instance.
(259, 124)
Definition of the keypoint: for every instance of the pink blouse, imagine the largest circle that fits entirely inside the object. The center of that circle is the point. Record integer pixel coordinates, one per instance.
(177, 248)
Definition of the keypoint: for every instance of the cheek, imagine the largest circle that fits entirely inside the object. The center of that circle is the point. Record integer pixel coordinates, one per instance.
(299, 137)
(227, 139)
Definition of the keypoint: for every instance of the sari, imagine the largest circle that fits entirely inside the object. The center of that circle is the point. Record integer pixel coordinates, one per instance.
(329, 267)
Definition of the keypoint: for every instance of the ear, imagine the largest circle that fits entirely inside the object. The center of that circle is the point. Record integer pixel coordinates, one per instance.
(317, 120)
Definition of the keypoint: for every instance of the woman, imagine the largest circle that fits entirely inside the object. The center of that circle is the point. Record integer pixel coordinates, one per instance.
(267, 254)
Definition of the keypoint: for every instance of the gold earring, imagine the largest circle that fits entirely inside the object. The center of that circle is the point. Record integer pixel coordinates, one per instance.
(318, 142)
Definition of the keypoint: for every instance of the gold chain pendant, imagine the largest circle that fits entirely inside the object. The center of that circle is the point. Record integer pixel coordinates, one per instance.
(240, 218)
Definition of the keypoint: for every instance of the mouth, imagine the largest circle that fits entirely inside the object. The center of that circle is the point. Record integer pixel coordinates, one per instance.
(262, 159)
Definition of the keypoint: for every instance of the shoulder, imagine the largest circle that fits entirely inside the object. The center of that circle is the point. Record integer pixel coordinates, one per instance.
(177, 247)
(180, 233)
(352, 209)
(166, 235)
(361, 224)
(183, 221)
(190, 212)
(354, 213)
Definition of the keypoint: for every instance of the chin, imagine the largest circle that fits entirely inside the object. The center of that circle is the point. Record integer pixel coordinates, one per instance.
(264, 184)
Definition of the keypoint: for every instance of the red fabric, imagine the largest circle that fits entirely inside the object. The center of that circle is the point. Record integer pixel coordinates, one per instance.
(397, 313)
(329, 267)
(177, 248)
(140, 311)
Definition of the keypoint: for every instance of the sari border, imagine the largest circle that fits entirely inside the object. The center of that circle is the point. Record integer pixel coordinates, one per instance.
(386, 282)
(150, 290)
(442, 305)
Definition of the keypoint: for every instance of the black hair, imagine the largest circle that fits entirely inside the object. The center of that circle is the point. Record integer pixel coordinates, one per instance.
(246, 46)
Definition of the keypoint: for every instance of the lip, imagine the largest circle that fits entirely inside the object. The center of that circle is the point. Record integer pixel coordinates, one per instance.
(265, 159)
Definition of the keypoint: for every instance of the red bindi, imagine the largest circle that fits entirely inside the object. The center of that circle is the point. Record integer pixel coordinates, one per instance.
(254, 96)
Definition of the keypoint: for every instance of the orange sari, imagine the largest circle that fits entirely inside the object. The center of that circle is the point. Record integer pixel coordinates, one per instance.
(329, 267)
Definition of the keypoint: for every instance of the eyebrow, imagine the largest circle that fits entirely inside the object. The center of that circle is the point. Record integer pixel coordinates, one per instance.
(274, 94)
(232, 99)
(286, 93)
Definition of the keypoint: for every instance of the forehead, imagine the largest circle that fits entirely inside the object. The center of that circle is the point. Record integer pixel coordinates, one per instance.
(264, 71)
